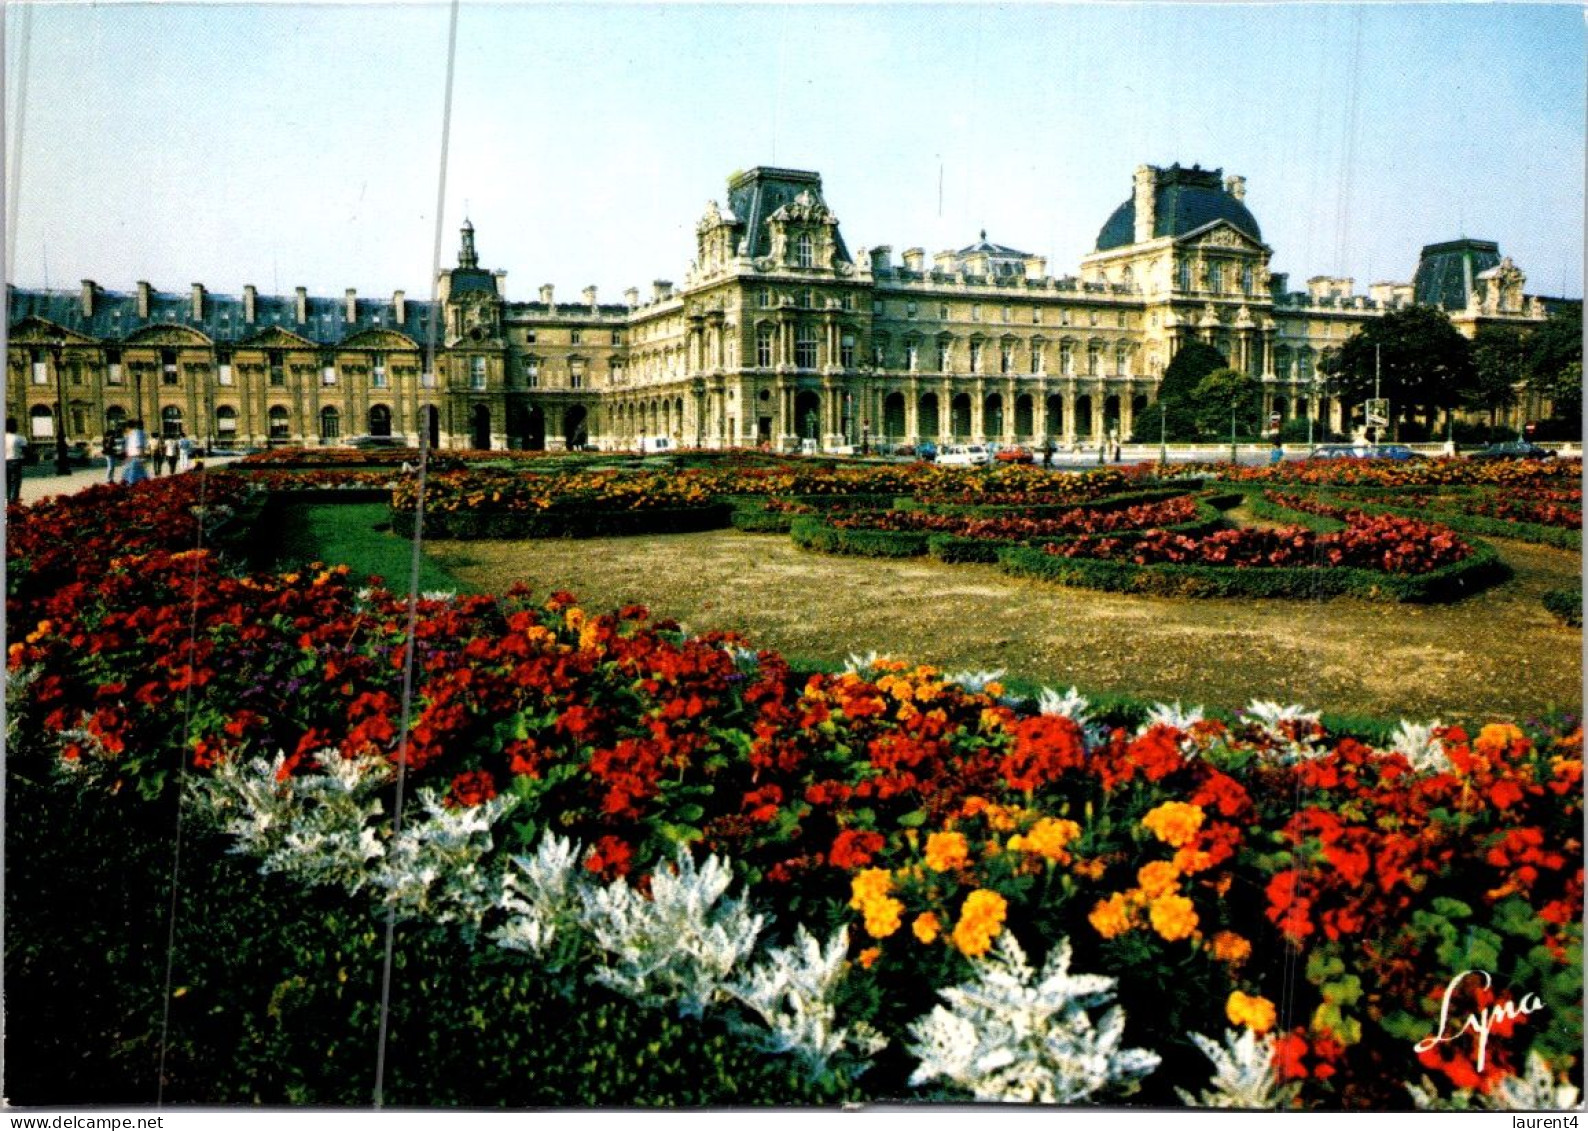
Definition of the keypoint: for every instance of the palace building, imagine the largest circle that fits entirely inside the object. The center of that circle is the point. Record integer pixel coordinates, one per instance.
(777, 334)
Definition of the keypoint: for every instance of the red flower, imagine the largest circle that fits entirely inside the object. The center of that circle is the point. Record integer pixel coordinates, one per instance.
(611, 858)
(473, 787)
(854, 848)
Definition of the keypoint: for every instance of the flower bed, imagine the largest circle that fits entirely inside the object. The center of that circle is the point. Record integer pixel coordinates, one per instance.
(892, 869)
(1400, 474)
(1462, 510)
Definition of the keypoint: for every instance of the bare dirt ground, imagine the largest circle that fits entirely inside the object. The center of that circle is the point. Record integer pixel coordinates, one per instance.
(1498, 655)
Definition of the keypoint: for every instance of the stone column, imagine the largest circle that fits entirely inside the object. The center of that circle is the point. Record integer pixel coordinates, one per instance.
(1011, 428)
(945, 411)
(978, 411)
(912, 413)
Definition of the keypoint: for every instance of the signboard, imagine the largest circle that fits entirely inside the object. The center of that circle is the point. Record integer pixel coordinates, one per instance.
(1377, 411)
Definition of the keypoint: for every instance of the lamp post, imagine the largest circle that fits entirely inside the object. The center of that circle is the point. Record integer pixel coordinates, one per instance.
(1163, 436)
(63, 465)
(1234, 457)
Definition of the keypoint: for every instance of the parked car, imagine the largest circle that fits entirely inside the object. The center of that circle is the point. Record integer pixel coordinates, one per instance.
(1336, 451)
(1516, 449)
(926, 450)
(653, 444)
(1362, 451)
(1015, 454)
(966, 455)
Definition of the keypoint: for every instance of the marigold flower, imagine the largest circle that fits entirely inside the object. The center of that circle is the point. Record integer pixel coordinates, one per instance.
(873, 883)
(1160, 877)
(1497, 738)
(1090, 869)
(1174, 822)
(1047, 838)
(1174, 917)
(927, 927)
(869, 956)
(946, 851)
(1111, 916)
(1256, 1013)
(980, 921)
(883, 917)
(1230, 947)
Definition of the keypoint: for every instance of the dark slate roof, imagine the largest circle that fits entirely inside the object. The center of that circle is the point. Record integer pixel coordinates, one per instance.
(116, 315)
(754, 196)
(1185, 200)
(1445, 271)
(466, 279)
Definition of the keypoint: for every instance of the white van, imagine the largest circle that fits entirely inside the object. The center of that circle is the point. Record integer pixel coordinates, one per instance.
(649, 445)
(968, 455)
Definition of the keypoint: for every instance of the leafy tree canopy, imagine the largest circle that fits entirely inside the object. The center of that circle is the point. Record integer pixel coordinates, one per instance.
(1177, 393)
(1423, 360)
(1497, 353)
(1227, 394)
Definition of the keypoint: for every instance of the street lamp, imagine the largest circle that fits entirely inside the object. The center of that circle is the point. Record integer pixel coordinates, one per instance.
(1163, 435)
(63, 465)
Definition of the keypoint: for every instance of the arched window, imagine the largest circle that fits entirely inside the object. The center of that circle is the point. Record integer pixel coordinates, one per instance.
(805, 250)
(226, 422)
(41, 423)
(280, 429)
(330, 423)
(170, 421)
(379, 420)
(943, 359)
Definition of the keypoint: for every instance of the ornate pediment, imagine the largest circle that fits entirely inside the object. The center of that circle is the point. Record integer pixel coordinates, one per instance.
(805, 209)
(373, 339)
(1223, 235)
(34, 330)
(168, 335)
(714, 217)
(274, 337)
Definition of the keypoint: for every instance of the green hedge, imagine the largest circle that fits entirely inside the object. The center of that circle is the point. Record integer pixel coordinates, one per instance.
(1041, 510)
(515, 525)
(1260, 507)
(750, 512)
(1448, 583)
(811, 533)
(1472, 525)
(1566, 605)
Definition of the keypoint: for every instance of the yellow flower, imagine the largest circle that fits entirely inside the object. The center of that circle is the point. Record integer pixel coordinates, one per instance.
(1256, 1013)
(1048, 838)
(1191, 860)
(869, 896)
(1173, 916)
(1111, 916)
(1230, 947)
(1174, 822)
(873, 883)
(1158, 878)
(1496, 738)
(946, 851)
(883, 917)
(926, 927)
(980, 921)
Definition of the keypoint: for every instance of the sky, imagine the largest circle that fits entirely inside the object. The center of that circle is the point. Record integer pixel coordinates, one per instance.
(291, 145)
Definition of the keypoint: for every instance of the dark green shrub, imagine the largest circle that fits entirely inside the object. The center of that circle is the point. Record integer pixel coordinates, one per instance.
(1566, 605)
(514, 525)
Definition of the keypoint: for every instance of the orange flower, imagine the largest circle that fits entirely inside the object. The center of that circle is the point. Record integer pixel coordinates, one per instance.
(926, 927)
(1158, 878)
(1230, 947)
(1047, 838)
(870, 955)
(1111, 916)
(946, 851)
(1174, 917)
(1174, 822)
(1497, 738)
(1256, 1013)
(980, 921)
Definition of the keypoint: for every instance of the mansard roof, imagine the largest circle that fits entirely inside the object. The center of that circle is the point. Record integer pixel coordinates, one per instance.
(115, 315)
(755, 195)
(1445, 271)
(1183, 201)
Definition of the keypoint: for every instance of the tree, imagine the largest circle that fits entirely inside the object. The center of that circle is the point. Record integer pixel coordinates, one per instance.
(1423, 361)
(1552, 362)
(1177, 393)
(1227, 394)
(1497, 353)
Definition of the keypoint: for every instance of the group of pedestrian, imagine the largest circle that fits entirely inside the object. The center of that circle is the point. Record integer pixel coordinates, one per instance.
(16, 456)
(174, 453)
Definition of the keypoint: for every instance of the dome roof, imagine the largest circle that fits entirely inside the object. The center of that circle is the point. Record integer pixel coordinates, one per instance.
(1183, 201)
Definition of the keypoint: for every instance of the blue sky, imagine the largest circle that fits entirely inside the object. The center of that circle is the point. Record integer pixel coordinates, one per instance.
(287, 145)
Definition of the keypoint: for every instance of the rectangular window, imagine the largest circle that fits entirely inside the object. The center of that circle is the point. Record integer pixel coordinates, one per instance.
(278, 370)
(114, 374)
(1064, 318)
(942, 312)
(975, 357)
(763, 299)
(847, 301)
(617, 337)
(41, 368)
(912, 357)
(1009, 314)
(1036, 316)
(975, 312)
(327, 375)
(377, 371)
(909, 310)
(427, 379)
(942, 357)
(476, 373)
(1121, 319)
(1036, 358)
(763, 349)
(168, 374)
(576, 374)
(805, 347)
(1006, 360)
(877, 306)
(846, 351)
(878, 356)
(43, 425)
(529, 336)
(532, 372)
(576, 336)
(223, 374)
(617, 373)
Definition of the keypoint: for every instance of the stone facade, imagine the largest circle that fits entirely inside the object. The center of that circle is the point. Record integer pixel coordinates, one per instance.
(777, 335)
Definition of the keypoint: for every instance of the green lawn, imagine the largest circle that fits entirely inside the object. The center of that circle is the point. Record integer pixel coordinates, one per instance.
(359, 536)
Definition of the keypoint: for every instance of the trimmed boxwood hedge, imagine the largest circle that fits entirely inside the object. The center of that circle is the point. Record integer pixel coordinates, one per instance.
(1040, 510)
(512, 525)
(1566, 605)
(1473, 525)
(811, 533)
(1448, 583)
(750, 512)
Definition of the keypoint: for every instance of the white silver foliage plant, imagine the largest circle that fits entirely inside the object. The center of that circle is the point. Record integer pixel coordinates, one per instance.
(682, 945)
(974, 682)
(1419, 742)
(1243, 1074)
(792, 992)
(863, 666)
(1537, 1089)
(540, 894)
(1074, 706)
(1296, 731)
(1018, 1037)
(433, 867)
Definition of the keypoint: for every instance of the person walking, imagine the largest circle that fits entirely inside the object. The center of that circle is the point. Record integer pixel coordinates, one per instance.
(169, 447)
(184, 452)
(112, 438)
(135, 445)
(16, 456)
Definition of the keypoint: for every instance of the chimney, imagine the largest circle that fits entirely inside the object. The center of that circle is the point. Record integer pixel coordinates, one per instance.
(352, 305)
(88, 297)
(198, 301)
(1146, 203)
(250, 304)
(632, 296)
(946, 262)
(500, 279)
(662, 289)
(303, 305)
(914, 259)
(1036, 266)
(881, 260)
(1236, 187)
(546, 293)
(399, 303)
(590, 297)
(143, 299)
